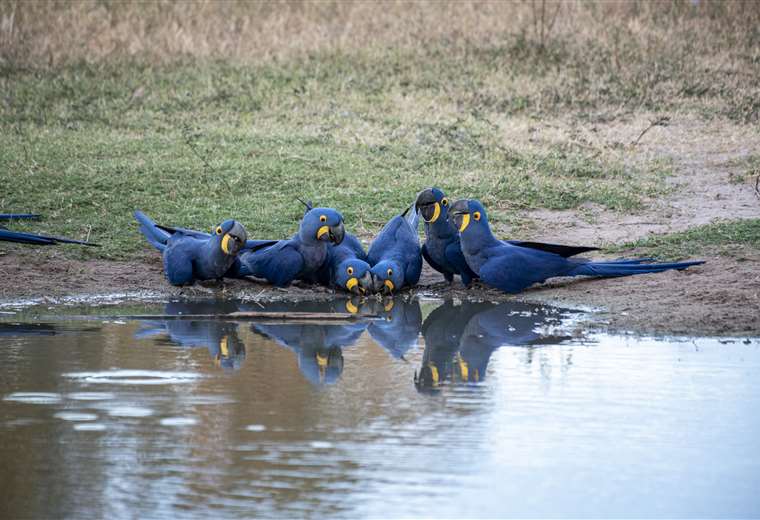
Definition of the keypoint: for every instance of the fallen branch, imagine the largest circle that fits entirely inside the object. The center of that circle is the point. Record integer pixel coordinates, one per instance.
(236, 316)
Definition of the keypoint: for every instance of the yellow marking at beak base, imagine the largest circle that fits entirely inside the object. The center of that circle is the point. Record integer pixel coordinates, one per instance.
(436, 213)
(388, 306)
(351, 283)
(322, 231)
(465, 222)
(389, 285)
(224, 348)
(434, 374)
(321, 360)
(350, 307)
(226, 244)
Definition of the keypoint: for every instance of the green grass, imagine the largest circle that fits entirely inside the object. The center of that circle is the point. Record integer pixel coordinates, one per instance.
(721, 237)
(192, 145)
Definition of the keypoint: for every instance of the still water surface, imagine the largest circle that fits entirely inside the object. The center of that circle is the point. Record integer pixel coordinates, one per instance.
(434, 410)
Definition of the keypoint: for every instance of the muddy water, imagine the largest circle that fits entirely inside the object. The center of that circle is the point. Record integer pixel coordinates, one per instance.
(443, 410)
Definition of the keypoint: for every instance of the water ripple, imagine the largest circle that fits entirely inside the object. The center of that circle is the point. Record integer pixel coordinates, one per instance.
(135, 377)
(33, 397)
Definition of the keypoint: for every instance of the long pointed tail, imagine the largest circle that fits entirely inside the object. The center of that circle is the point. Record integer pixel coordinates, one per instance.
(627, 267)
(156, 236)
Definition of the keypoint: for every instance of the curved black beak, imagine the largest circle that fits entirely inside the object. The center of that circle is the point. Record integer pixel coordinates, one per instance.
(337, 233)
(458, 210)
(234, 240)
(365, 283)
(425, 204)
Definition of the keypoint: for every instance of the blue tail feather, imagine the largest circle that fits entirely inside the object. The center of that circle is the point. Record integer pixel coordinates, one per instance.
(155, 236)
(627, 268)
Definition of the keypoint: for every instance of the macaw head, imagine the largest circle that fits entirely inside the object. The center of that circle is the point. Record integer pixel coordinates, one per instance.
(470, 217)
(387, 277)
(322, 224)
(230, 235)
(354, 276)
(432, 204)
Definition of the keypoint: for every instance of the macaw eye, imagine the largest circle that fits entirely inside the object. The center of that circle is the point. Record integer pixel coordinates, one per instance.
(218, 230)
(476, 215)
(390, 272)
(322, 218)
(350, 270)
(445, 201)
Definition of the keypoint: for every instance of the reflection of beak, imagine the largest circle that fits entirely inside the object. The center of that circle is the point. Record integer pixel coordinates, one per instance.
(321, 360)
(224, 348)
(350, 307)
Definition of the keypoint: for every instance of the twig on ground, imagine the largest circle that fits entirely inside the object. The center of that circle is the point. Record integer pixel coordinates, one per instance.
(757, 185)
(660, 121)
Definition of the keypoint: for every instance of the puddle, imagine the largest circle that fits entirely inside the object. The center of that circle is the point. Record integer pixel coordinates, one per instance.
(429, 409)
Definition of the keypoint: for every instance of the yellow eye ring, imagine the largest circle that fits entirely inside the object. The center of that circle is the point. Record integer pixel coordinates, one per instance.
(390, 272)
(218, 230)
(350, 270)
(445, 201)
(322, 218)
(476, 215)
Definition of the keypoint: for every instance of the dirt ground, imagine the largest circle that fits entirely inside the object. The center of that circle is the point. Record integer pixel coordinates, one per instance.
(721, 297)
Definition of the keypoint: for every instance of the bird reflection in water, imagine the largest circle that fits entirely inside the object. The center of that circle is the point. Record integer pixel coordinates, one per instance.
(318, 346)
(219, 337)
(398, 328)
(459, 339)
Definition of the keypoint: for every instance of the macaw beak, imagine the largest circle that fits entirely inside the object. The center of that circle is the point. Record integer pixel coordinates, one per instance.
(388, 287)
(334, 234)
(427, 206)
(352, 285)
(460, 212)
(234, 240)
(365, 283)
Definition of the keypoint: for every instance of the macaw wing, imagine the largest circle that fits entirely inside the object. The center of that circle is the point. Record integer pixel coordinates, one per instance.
(432, 263)
(187, 232)
(557, 249)
(455, 257)
(279, 264)
(256, 245)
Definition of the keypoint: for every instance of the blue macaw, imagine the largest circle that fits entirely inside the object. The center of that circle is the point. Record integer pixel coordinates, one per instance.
(395, 254)
(298, 258)
(346, 266)
(441, 249)
(513, 267)
(192, 255)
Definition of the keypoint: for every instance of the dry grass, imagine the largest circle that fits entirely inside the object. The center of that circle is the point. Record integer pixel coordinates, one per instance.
(537, 55)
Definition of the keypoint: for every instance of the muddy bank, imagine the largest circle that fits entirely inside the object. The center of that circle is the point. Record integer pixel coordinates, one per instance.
(719, 298)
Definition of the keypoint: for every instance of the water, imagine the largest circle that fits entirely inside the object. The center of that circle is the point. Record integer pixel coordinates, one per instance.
(434, 410)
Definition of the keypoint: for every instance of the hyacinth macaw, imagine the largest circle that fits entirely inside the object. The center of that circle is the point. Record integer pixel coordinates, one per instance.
(441, 249)
(193, 255)
(346, 267)
(395, 254)
(398, 328)
(513, 267)
(299, 258)
(20, 237)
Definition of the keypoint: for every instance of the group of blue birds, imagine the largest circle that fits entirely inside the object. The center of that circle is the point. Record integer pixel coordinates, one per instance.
(458, 241)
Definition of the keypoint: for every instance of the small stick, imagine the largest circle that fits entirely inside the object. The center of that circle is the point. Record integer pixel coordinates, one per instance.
(233, 316)
(660, 121)
(757, 186)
